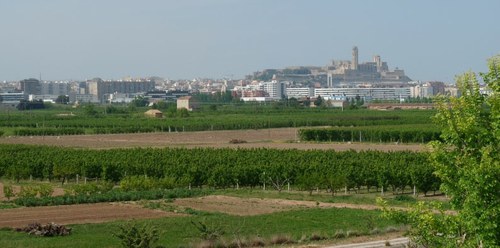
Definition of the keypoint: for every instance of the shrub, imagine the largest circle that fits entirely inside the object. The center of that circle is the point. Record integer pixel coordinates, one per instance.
(45, 190)
(167, 183)
(257, 242)
(28, 191)
(8, 191)
(339, 234)
(90, 188)
(237, 141)
(110, 196)
(375, 231)
(351, 233)
(390, 229)
(238, 243)
(137, 183)
(281, 240)
(317, 237)
(211, 233)
(135, 236)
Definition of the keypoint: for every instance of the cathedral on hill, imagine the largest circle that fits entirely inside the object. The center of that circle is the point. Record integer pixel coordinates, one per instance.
(338, 74)
(342, 73)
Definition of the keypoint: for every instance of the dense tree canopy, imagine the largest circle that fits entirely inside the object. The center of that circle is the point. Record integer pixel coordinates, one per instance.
(467, 160)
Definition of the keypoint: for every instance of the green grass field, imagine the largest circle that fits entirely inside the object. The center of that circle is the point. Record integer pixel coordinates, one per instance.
(179, 232)
(400, 200)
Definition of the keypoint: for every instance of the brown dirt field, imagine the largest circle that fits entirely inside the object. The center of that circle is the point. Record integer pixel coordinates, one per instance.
(77, 214)
(103, 212)
(279, 138)
(255, 206)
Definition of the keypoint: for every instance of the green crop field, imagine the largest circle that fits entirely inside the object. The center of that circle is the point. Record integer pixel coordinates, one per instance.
(67, 121)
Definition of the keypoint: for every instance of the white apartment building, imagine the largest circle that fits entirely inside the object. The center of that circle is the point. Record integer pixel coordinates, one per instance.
(274, 88)
(12, 98)
(299, 92)
(366, 93)
(422, 90)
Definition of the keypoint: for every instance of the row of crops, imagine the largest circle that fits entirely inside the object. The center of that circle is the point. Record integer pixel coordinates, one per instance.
(401, 133)
(223, 168)
(27, 123)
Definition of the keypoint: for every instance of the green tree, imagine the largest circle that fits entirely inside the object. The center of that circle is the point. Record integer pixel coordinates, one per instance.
(139, 101)
(334, 180)
(467, 161)
(319, 101)
(292, 102)
(18, 171)
(62, 99)
(90, 110)
(183, 112)
(309, 181)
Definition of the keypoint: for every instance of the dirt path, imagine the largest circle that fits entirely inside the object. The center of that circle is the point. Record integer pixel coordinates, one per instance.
(77, 214)
(399, 242)
(279, 138)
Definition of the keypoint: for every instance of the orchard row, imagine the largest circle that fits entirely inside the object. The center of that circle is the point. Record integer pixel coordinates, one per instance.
(224, 168)
(373, 134)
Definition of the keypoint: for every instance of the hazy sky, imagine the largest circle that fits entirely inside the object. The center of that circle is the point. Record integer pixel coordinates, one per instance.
(79, 39)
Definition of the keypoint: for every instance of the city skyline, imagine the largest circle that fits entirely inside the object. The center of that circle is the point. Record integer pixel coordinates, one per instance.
(79, 39)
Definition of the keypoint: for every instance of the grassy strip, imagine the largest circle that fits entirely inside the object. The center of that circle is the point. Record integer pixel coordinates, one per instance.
(366, 198)
(111, 196)
(4, 205)
(179, 232)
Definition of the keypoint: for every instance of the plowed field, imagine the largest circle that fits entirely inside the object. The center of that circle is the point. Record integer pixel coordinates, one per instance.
(279, 138)
(77, 214)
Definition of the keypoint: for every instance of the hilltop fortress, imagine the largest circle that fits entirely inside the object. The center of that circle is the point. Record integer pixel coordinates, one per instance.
(344, 72)
(340, 73)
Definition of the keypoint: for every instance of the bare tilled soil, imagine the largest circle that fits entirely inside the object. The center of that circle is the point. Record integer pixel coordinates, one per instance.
(279, 138)
(77, 214)
(103, 212)
(256, 206)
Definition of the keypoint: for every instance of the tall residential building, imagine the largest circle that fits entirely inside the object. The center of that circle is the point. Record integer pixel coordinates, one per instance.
(355, 63)
(274, 88)
(55, 88)
(101, 89)
(30, 86)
